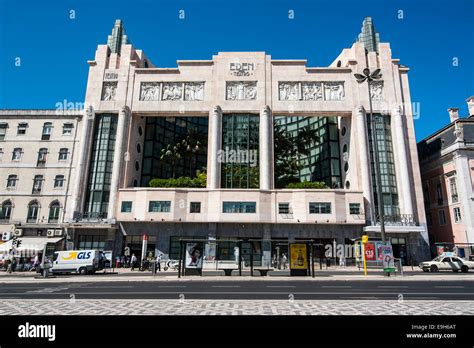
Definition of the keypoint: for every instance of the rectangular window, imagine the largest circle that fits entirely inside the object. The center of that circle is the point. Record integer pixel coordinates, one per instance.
(283, 208)
(454, 190)
(195, 207)
(442, 217)
(239, 207)
(439, 194)
(67, 128)
(12, 181)
(42, 153)
(3, 130)
(126, 207)
(457, 215)
(47, 130)
(59, 181)
(22, 128)
(159, 207)
(37, 184)
(354, 208)
(1, 153)
(17, 152)
(63, 153)
(319, 208)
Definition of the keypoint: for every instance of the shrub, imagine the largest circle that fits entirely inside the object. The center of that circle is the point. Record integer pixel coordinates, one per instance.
(307, 185)
(182, 181)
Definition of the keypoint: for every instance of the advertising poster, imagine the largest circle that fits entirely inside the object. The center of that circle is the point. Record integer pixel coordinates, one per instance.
(298, 256)
(378, 249)
(440, 250)
(194, 253)
(387, 258)
(369, 250)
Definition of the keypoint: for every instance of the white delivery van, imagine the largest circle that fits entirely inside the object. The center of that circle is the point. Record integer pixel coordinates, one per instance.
(78, 261)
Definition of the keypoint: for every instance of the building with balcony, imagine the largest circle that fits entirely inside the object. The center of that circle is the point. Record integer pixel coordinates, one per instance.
(447, 172)
(241, 147)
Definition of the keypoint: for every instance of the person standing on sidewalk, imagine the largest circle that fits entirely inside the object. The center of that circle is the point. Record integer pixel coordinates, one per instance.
(158, 262)
(133, 261)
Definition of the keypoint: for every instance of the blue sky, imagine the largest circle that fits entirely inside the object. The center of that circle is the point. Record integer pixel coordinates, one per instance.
(54, 49)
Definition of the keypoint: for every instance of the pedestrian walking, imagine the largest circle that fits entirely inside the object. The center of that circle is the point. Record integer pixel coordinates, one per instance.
(284, 260)
(133, 261)
(158, 262)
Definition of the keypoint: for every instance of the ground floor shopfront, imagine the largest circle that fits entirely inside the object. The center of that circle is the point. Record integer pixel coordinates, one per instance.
(264, 244)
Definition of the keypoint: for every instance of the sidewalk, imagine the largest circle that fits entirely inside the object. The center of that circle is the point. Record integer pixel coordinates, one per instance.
(331, 274)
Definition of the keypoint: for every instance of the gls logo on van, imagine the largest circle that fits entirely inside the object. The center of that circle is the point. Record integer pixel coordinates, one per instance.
(83, 255)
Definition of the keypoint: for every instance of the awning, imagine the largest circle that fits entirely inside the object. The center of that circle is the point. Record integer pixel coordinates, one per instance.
(33, 244)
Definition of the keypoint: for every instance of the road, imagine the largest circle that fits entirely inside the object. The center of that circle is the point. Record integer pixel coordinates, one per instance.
(245, 289)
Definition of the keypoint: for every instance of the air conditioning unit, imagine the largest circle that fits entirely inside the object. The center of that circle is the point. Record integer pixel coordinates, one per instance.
(58, 233)
(18, 232)
(50, 233)
(6, 236)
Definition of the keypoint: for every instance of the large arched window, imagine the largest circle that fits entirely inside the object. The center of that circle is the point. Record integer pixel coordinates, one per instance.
(6, 211)
(33, 209)
(54, 209)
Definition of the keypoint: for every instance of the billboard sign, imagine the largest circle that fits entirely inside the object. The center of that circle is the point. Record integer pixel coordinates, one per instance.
(369, 250)
(298, 256)
(194, 255)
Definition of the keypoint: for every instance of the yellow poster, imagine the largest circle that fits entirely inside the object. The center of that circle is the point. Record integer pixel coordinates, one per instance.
(298, 256)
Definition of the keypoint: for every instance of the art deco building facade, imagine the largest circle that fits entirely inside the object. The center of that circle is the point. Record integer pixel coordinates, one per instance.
(250, 127)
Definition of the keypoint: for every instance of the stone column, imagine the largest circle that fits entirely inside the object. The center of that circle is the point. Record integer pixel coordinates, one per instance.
(465, 192)
(215, 136)
(120, 140)
(267, 245)
(364, 161)
(80, 178)
(266, 149)
(402, 165)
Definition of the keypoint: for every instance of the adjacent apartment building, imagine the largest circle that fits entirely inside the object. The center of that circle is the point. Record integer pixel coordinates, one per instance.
(447, 172)
(238, 147)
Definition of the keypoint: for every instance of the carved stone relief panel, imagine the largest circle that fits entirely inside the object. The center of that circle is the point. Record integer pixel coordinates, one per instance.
(150, 91)
(241, 90)
(109, 89)
(194, 91)
(172, 91)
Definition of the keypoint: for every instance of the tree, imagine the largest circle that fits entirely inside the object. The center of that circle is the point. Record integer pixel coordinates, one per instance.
(193, 143)
(171, 154)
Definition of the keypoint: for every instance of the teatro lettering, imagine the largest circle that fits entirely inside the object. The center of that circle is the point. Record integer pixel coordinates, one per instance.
(242, 69)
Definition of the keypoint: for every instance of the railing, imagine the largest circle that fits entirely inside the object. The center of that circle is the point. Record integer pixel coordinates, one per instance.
(398, 220)
(89, 216)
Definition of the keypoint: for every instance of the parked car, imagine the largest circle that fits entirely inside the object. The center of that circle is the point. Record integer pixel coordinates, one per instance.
(451, 263)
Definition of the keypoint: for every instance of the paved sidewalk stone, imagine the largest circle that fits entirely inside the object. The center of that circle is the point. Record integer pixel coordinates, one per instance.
(233, 307)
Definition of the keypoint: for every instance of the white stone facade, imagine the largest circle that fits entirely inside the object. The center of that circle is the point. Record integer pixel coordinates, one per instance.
(130, 87)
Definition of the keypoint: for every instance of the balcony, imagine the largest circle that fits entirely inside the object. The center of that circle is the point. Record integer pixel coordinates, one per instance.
(92, 217)
(399, 220)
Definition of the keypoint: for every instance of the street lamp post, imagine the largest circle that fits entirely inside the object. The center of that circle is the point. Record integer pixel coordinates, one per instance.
(369, 77)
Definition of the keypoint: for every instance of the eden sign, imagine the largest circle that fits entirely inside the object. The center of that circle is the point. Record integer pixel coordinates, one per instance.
(242, 69)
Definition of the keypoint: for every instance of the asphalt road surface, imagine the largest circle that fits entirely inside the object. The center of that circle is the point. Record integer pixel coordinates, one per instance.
(235, 289)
